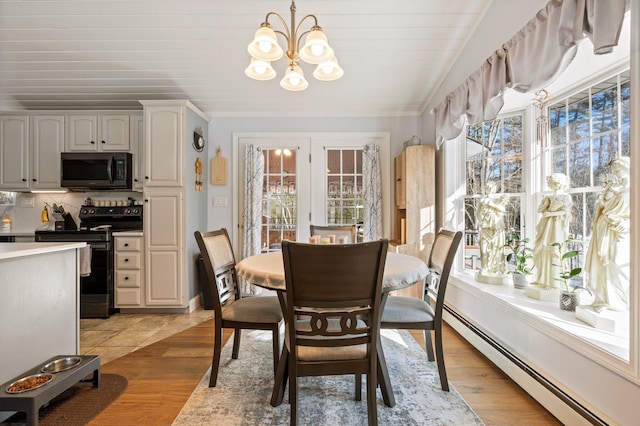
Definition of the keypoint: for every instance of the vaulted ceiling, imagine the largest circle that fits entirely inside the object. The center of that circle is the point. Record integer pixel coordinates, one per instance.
(108, 54)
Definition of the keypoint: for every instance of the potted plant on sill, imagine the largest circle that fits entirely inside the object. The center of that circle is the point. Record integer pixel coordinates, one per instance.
(520, 255)
(569, 296)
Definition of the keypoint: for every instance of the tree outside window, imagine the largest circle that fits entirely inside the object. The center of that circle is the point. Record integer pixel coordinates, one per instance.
(588, 130)
(493, 153)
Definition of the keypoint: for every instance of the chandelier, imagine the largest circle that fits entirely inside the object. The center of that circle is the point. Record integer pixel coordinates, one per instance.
(264, 49)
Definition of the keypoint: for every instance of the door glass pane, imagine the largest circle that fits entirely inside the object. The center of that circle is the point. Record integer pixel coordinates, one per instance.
(279, 201)
(344, 204)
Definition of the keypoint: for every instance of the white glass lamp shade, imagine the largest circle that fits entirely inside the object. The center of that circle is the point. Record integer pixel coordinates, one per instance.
(260, 70)
(294, 79)
(328, 71)
(316, 49)
(265, 46)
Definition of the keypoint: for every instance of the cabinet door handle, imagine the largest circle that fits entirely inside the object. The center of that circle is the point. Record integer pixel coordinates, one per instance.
(146, 177)
(35, 180)
(126, 278)
(103, 142)
(93, 142)
(126, 260)
(126, 244)
(146, 200)
(24, 180)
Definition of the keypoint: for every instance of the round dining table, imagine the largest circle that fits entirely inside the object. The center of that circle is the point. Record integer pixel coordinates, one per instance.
(266, 270)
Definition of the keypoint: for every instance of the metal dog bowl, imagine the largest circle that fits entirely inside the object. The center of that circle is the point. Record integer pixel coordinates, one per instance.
(28, 383)
(61, 364)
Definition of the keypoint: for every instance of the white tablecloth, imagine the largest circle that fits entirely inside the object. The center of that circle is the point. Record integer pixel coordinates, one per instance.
(266, 270)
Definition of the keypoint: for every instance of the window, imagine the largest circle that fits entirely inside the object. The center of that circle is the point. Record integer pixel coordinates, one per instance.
(493, 154)
(587, 130)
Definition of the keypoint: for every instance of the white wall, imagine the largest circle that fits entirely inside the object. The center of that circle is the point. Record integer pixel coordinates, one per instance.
(221, 136)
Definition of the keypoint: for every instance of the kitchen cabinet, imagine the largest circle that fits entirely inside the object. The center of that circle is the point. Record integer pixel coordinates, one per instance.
(414, 216)
(47, 143)
(173, 209)
(14, 152)
(128, 270)
(164, 146)
(104, 132)
(31, 147)
(164, 284)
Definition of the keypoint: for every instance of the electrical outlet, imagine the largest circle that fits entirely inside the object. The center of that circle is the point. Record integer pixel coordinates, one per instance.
(26, 201)
(219, 201)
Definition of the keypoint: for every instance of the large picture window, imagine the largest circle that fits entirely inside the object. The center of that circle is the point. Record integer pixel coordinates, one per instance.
(587, 130)
(493, 154)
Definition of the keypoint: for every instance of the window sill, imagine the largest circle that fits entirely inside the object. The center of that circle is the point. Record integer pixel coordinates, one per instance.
(547, 317)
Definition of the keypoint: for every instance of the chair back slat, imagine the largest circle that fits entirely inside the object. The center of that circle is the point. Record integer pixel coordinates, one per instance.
(220, 266)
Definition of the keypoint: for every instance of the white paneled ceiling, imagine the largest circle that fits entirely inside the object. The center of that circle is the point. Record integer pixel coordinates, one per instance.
(108, 54)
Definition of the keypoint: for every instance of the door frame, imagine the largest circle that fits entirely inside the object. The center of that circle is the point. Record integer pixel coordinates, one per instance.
(320, 139)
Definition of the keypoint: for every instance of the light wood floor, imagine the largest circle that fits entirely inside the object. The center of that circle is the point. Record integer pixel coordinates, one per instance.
(163, 375)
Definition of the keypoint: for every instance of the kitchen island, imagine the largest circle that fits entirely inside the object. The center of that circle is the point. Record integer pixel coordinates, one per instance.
(39, 310)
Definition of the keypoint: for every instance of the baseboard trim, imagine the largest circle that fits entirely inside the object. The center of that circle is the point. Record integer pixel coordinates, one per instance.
(555, 400)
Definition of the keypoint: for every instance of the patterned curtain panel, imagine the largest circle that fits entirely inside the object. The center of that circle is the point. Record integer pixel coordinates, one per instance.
(372, 192)
(252, 215)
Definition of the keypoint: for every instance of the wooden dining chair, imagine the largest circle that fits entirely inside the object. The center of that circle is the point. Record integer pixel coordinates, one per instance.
(332, 318)
(323, 231)
(402, 312)
(231, 310)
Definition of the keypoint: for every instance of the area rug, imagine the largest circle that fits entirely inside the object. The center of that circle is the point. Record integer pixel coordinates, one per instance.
(79, 404)
(244, 386)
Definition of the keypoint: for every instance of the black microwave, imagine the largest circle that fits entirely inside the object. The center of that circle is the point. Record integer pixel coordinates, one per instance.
(96, 170)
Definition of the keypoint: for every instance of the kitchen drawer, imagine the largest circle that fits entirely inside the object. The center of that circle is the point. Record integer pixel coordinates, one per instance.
(132, 260)
(127, 279)
(128, 243)
(127, 296)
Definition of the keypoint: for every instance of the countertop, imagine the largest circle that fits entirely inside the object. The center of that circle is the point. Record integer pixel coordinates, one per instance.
(19, 233)
(127, 233)
(13, 250)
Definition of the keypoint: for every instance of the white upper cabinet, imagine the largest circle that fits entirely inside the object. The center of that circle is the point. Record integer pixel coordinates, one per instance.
(47, 142)
(14, 152)
(105, 132)
(164, 127)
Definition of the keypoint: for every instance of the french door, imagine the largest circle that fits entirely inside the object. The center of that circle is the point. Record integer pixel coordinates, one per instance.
(308, 179)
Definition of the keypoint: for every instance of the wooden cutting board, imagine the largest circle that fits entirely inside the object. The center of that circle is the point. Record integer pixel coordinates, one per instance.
(218, 169)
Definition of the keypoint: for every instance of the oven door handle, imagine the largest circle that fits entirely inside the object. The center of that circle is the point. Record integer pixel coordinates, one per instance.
(104, 246)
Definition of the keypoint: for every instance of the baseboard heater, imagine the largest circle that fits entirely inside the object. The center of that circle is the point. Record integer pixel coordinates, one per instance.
(557, 392)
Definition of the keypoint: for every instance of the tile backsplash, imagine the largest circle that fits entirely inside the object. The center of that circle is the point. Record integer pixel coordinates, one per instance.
(27, 219)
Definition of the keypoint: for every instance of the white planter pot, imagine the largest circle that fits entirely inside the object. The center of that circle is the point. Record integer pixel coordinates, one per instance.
(520, 280)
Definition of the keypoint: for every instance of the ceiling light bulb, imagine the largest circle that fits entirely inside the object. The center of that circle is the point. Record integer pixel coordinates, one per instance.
(317, 49)
(328, 70)
(264, 46)
(294, 79)
(260, 70)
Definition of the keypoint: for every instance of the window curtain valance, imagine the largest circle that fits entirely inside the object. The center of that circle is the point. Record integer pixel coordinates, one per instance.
(531, 59)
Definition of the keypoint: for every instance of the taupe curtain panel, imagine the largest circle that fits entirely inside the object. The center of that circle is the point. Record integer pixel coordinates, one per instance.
(531, 59)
